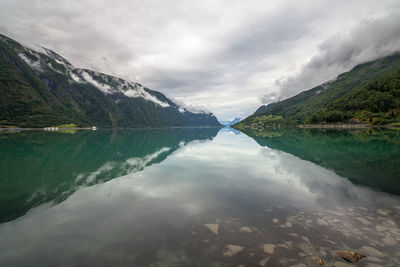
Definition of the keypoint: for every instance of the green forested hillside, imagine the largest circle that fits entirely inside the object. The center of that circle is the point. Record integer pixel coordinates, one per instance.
(377, 103)
(24, 99)
(40, 88)
(366, 84)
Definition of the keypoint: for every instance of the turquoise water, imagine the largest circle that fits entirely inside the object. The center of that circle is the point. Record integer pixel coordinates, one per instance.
(198, 197)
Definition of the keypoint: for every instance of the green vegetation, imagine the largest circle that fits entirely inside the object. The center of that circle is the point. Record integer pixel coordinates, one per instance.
(24, 99)
(43, 93)
(369, 93)
(394, 125)
(261, 122)
(70, 125)
(376, 103)
(67, 131)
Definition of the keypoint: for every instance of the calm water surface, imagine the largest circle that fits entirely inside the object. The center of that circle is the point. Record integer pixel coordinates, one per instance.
(199, 197)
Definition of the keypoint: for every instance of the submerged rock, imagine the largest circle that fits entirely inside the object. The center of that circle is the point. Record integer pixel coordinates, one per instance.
(231, 250)
(342, 264)
(383, 212)
(213, 227)
(283, 246)
(364, 221)
(269, 248)
(389, 241)
(373, 265)
(371, 251)
(263, 262)
(245, 229)
(322, 222)
(298, 265)
(350, 256)
(319, 261)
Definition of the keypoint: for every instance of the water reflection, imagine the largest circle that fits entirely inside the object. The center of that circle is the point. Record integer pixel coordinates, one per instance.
(225, 202)
(38, 167)
(366, 157)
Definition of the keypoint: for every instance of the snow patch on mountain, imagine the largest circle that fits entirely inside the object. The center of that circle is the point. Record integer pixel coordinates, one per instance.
(105, 83)
(33, 64)
(57, 58)
(75, 77)
(102, 82)
(183, 107)
(53, 68)
(105, 88)
(138, 91)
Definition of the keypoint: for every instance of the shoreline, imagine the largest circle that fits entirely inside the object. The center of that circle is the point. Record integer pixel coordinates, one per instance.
(17, 129)
(345, 126)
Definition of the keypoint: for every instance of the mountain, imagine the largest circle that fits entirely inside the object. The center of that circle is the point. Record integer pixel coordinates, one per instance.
(360, 95)
(40, 88)
(69, 162)
(231, 122)
(376, 103)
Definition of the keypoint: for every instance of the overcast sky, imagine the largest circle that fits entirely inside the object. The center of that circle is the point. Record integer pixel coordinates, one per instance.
(227, 56)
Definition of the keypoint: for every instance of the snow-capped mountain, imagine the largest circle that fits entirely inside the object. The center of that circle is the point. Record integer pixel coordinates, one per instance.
(231, 122)
(64, 93)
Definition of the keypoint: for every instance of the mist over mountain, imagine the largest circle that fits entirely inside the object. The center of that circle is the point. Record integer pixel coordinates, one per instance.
(41, 88)
(369, 93)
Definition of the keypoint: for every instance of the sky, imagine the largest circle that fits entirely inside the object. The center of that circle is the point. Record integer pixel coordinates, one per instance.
(224, 56)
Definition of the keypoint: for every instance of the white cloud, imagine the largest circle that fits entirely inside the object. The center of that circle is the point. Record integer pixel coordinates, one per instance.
(371, 39)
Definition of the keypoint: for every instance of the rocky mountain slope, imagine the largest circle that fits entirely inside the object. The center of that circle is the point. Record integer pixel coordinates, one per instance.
(40, 88)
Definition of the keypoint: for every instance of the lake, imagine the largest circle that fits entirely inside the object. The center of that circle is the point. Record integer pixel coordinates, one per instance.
(199, 197)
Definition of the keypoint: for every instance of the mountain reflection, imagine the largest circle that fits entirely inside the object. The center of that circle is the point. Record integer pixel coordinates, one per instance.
(160, 216)
(38, 167)
(365, 157)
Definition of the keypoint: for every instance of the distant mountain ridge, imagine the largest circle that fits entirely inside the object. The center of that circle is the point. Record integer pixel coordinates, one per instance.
(378, 79)
(231, 122)
(41, 88)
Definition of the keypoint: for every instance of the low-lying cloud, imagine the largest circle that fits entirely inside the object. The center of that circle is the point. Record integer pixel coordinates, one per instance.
(371, 39)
